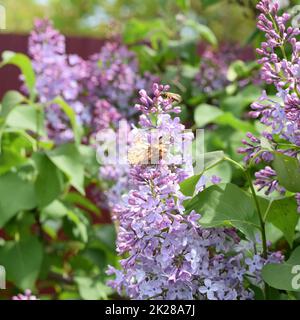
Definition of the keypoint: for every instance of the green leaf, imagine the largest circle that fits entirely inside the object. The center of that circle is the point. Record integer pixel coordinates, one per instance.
(226, 205)
(237, 104)
(187, 187)
(288, 171)
(183, 4)
(205, 114)
(222, 170)
(15, 195)
(282, 213)
(207, 3)
(28, 118)
(137, 30)
(68, 159)
(54, 210)
(90, 289)
(228, 119)
(10, 159)
(88, 154)
(238, 69)
(284, 276)
(78, 199)
(210, 159)
(203, 31)
(24, 63)
(70, 113)
(49, 182)
(10, 100)
(22, 261)
(79, 220)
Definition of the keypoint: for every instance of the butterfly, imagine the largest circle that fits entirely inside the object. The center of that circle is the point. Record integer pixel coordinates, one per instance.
(142, 152)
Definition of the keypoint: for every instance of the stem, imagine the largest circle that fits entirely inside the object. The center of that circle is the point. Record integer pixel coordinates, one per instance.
(38, 127)
(260, 216)
(282, 48)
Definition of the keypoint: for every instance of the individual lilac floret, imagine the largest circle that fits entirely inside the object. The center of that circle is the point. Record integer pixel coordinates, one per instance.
(26, 296)
(215, 179)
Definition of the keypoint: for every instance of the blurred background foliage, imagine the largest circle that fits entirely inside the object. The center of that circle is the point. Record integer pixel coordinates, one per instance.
(104, 17)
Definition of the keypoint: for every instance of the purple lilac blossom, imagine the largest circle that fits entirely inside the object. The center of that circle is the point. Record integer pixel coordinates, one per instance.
(167, 254)
(281, 69)
(100, 89)
(267, 178)
(57, 74)
(26, 296)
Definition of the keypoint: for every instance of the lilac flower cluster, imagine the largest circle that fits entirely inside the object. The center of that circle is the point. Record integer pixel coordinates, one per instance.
(253, 149)
(281, 114)
(57, 74)
(168, 255)
(100, 89)
(114, 76)
(281, 70)
(26, 296)
(212, 75)
(267, 178)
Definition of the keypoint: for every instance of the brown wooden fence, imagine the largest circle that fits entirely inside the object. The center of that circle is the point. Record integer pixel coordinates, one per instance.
(9, 75)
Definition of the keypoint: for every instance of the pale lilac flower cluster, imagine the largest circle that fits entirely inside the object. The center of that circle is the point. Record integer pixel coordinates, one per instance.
(99, 89)
(57, 74)
(26, 296)
(168, 255)
(114, 76)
